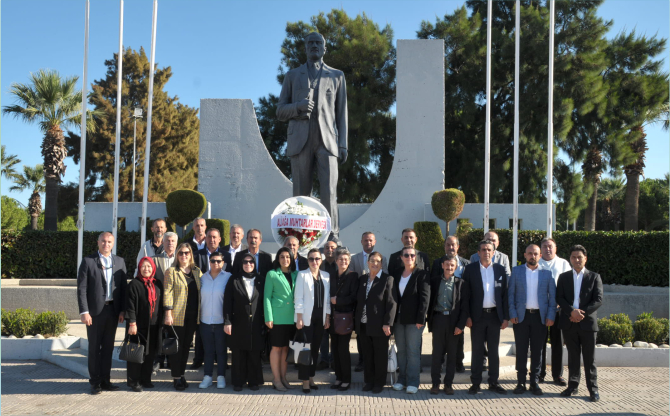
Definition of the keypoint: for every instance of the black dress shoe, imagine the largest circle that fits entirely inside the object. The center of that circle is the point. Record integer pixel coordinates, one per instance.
(474, 389)
(237, 388)
(560, 381)
(178, 385)
(435, 390)
(595, 397)
(378, 389)
(497, 388)
(137, 388)
(570, 391)
(253, 388)
(448, 390)
(540, 379)
(536, 390)
(519, 389)
(109, 386)
(195, 366)
(148, 385)
(306, 391)
(96, 389)
(368, 387)
(358, 368)
(314, 387)
(184, 382)
(460, 368)
(343, 387)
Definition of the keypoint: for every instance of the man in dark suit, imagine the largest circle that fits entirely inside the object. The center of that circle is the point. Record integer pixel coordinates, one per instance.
(451, 245)
(293, 244)
(580, 293)
(236, 245)
(448, 311)
(101, 293)
(263, 259)
(396, 266)
(489, 313)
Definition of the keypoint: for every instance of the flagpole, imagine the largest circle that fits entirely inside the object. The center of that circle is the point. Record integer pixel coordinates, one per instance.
(117, 148)
(550, 132)
(515, 201)
(147, 153)
(82, 145)
(487, 145)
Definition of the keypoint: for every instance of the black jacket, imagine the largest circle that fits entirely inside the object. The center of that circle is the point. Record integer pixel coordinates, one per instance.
(138, 309)
(590, 299)
(303, 264)
(245, 315)
(91, 287)
(396, 266)
(460, 303)
(473, 276)
(202, 261)
(436, 271)
(264, 263)
(413, 304)
(380, 304)
(345, 288)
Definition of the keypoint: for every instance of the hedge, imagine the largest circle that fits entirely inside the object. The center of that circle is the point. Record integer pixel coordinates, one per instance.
(24, 322)
(429, 238)
(620, 257)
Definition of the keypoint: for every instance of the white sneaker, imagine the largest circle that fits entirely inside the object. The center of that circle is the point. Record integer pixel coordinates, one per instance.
(220, 382)
(398, 387)
(412, 390)
(206, 382)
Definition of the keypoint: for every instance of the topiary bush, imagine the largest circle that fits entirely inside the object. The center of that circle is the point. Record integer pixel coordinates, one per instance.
(184, 205)
(447, 204)
(429, 238)
(18, 323)
(617, 329)
(222, 225)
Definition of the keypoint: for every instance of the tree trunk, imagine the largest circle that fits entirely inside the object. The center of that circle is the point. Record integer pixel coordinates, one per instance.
(51, 204)
(590, 214)
(447, 228)
(33, 222)
(632, 199)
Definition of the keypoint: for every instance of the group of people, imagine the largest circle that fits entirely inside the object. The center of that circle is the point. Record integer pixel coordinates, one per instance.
(238, 297)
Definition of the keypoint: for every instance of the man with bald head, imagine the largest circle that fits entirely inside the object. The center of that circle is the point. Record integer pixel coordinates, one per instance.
(498, 257)
(313, 100)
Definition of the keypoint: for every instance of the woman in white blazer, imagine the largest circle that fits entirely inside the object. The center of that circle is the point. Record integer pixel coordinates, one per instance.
(312, 313)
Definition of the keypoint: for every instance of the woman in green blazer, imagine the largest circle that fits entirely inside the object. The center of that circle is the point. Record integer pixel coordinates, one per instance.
(278, 304)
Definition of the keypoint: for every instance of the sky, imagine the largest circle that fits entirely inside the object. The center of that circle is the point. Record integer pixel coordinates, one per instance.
(221, 49)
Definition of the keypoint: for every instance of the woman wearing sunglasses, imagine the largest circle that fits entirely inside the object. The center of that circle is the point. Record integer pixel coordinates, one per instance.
(182, 308)
(312, 313)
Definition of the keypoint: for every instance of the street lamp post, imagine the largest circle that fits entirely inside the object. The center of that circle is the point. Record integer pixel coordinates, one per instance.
(137, 114)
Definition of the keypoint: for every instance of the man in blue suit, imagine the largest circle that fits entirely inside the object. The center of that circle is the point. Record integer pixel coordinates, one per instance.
(489, 314)
(532, 305)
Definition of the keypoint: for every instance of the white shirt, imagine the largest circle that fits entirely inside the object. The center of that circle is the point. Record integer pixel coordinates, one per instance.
(532, 277)
(233, 251)
(211, 297)
(556, 266)
(170, 259)
(488, 282)
(577, 280)
(249, 285)
(107, 264)
(200, 245)
(403, 283)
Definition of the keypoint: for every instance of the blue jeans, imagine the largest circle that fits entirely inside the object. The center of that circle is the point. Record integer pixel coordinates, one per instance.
(408, 340)
(214, 342)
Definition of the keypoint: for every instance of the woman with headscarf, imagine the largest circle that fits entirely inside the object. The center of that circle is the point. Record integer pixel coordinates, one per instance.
(244, 321)
(144, 314)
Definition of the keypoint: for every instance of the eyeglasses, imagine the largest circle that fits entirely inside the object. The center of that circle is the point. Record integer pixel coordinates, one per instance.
(315, 259)
(215, 261)
(248, 262)
(184, 253)
(407, 255)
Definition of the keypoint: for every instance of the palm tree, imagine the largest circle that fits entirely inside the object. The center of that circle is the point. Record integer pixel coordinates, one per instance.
(592, 168)
(32, 178)
(52, 102)
(610, 192)
(8, 163)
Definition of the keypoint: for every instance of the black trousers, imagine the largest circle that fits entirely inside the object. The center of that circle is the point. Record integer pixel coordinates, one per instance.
(556, 350)
(101, 345)
(339, 344)
(359, 349)
(313, 335)
(375, 351)
(198, 348)
(141, 373)
(185, 335)
(444, 342)
(485, 333)
(461, 345)
(247, 367)
(531, 331)
(579, 342)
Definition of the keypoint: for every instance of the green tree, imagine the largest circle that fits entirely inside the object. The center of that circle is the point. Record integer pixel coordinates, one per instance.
(653, 212)
(571, 191)
(174, 134)
(611, 192)
(8, 164)
(33, 179)
(365, 53)
(13, 216)
(52, 102)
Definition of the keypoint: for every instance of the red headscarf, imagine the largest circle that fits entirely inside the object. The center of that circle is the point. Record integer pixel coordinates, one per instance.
(148, 282)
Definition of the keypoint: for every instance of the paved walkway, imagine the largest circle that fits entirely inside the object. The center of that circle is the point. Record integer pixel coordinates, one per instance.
(37, 387)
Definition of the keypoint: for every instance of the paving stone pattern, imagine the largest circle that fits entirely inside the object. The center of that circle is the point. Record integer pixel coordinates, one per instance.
(37, 387)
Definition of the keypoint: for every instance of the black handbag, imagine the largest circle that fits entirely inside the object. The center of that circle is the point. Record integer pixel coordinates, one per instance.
(131, 351)
(170, 341)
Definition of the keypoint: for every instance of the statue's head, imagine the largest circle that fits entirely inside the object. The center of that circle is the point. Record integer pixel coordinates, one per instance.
(315, 46)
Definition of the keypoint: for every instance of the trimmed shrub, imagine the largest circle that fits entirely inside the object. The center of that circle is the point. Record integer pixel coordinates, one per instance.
(50, 324)
(447, 204)
(429, 238)
(184, 205)
(620, 257)
(666, 330)
(648, 330)
(19, 323)
(222, 225)
(617, 329)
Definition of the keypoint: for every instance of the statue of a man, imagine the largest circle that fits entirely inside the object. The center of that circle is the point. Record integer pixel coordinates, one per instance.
(314, 102)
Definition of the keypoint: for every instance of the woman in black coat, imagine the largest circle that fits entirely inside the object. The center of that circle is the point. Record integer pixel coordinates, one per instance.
(343, 293)
(375, 312)
(244, 321)
(144, 316)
